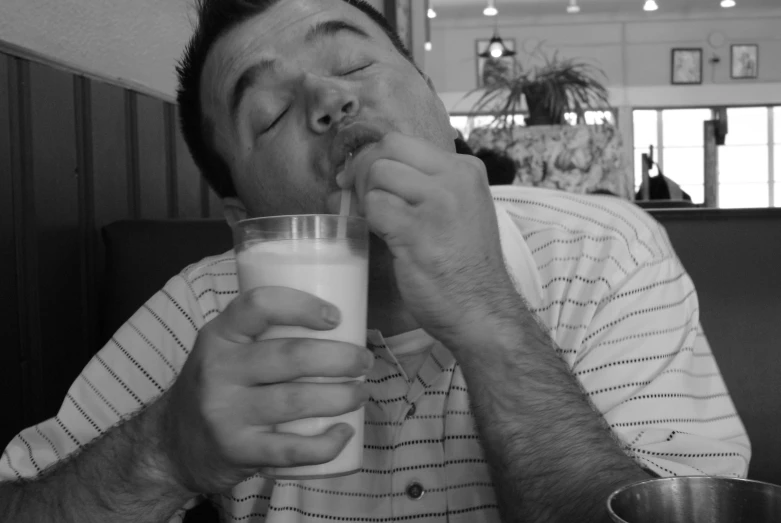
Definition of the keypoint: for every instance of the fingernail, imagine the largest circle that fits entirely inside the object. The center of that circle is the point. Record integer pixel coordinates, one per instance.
(331, 315)
(340, 179)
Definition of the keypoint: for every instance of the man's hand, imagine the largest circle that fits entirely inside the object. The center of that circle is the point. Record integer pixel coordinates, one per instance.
(435, 212)
(217, 416)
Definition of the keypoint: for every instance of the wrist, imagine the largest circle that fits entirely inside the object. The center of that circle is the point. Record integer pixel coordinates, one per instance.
(155, 456)
(500, 324)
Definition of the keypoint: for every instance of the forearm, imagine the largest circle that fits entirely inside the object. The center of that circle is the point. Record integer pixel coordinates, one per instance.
(121, 477)
(552, 456)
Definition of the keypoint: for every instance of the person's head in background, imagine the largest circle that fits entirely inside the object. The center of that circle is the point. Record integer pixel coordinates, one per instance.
(499, 167)
(461, 146)
(267, 86)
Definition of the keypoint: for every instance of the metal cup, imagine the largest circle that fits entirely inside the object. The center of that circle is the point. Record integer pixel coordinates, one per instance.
(696, 499)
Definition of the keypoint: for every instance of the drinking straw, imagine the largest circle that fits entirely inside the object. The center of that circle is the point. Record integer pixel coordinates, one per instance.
(344, 206)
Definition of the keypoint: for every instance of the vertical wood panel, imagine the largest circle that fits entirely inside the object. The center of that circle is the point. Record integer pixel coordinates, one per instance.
(82, 88)
(152, 167)
(215, 205)
(171, 174)
(109, 154)
(10, 355)
(57, 201)
(26, 242)
(188, 178)
(205, 191)
(111, 178)
(131, 143)
(75, 155)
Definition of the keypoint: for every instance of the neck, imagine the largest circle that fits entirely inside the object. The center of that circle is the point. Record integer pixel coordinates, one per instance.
(387, 312)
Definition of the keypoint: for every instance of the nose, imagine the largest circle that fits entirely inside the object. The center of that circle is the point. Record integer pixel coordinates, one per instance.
(329, 101)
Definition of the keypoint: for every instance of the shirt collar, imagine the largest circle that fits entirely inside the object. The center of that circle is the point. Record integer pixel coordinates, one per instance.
(521, 265)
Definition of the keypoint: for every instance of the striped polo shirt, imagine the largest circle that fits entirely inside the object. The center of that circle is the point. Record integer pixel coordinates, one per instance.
(603, 279)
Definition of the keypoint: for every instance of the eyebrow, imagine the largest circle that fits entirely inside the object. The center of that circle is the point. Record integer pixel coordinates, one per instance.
(252, 74)
(329, 28)
(247, 79)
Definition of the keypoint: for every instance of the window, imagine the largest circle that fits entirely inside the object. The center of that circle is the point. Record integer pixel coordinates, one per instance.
(465, 123)
(749, 160)
(591, 117)
(646, 132)
(776, 180)
(683, 149)
(743, 160)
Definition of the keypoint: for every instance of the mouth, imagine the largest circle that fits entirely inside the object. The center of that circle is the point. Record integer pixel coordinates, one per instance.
(351, 140)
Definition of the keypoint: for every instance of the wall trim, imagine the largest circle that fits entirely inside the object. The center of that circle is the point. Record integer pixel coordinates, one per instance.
(26, 54)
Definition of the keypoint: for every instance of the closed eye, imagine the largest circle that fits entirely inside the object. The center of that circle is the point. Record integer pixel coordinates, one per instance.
(352, 71)
(275, 122)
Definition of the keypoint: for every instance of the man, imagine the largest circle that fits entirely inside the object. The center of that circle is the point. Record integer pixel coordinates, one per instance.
(527, 357)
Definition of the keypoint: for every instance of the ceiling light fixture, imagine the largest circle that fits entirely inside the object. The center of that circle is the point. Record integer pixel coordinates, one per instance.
(573, 7)
(490, 9)
(650, 5)
(496, 48)
(726, 4)
(428, 46)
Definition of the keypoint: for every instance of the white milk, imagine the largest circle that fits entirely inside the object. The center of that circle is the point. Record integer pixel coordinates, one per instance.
(329, 270)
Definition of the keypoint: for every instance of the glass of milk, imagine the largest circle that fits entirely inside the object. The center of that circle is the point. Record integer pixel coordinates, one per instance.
(325, 255)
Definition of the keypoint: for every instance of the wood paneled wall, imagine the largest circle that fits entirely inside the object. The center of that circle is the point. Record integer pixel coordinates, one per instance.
(75, 155)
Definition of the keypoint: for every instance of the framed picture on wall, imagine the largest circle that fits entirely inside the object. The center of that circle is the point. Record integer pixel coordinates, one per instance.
(744, 61)
(489, 69)
(686, 66)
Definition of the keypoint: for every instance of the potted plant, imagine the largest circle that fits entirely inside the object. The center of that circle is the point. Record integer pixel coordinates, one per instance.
(547, 151)
(553, 88)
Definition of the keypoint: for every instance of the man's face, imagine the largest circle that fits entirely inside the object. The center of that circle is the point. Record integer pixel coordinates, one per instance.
(297, 88)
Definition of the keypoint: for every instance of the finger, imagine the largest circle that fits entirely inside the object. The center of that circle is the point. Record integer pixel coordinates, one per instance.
(253, 311)
(389, 216)
(419, 154)
(283, 402)
(292, 450)
(394, 177)
(288, 359)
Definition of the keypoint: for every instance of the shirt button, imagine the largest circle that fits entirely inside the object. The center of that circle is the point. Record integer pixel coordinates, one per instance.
(412, 410)
(415, 491)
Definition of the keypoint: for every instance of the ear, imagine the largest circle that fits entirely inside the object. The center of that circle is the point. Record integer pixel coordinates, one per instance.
(233, 210)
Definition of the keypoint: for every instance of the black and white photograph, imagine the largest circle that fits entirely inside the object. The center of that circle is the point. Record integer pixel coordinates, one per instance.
(686, 65)
(744, 62)
(366, 261)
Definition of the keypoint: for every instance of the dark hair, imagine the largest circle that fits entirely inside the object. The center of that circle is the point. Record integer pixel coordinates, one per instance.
(462, 147)
(499, 167)
(214, 19)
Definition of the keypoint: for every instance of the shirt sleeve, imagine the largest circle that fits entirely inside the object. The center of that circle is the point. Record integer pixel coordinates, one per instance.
(137, 365)
(645, 363)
